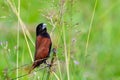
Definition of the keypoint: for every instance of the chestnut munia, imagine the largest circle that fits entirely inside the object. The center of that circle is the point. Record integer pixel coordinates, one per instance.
(42, 46)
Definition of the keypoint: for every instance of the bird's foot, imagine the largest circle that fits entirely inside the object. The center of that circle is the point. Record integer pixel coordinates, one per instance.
(49, 65)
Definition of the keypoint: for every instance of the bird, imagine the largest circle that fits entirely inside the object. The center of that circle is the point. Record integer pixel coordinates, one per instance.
(42, 46)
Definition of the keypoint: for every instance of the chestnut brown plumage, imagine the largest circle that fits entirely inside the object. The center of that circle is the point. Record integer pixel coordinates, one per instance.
(42, 47)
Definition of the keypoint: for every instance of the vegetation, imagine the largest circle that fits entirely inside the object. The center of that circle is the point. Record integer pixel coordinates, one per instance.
(85, 33)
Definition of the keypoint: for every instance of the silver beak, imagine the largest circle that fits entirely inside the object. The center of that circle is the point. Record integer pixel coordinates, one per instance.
(44, 26)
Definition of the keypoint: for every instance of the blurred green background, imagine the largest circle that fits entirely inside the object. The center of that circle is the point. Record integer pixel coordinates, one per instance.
(68, 23)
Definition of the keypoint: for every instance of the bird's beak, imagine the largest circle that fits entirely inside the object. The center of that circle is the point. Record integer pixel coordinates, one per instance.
(44, 26)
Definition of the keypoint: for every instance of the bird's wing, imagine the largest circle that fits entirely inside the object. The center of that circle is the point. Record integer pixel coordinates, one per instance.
(43, 46)
(50, 47)
(38, 41)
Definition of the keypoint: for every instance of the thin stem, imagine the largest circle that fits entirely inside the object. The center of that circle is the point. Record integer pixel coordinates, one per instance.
(29, 73)
(66, 55)
(51, 63)
(56, 75)
(88, 37)
(18, 39)
(23, 28)
(58, 62)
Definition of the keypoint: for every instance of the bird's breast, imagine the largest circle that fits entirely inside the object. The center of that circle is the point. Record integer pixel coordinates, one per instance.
(42, 50)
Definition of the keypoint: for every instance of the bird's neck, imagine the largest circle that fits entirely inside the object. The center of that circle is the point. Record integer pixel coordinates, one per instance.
(45, 35)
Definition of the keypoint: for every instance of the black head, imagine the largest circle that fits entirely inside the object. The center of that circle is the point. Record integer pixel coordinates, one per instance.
(41, 29)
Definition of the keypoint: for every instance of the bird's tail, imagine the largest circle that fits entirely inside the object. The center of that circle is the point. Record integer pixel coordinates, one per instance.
(33, 66)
